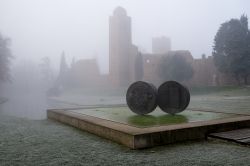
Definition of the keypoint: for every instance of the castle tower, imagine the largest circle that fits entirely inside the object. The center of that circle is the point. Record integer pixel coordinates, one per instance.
(120, 48)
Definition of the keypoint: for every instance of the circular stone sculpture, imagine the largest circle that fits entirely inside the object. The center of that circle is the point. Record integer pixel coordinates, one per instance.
(173, 97)
(141, 97)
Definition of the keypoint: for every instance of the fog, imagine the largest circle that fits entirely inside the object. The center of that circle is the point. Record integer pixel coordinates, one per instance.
(80, 29)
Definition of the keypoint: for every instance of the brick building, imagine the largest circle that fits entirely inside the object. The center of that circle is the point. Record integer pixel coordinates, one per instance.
(123, 53)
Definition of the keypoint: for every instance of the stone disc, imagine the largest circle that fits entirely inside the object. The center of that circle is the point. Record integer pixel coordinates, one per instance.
(141, 97)
(173, 97)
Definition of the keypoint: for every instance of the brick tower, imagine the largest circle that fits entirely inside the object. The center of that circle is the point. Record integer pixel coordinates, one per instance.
(121, 50)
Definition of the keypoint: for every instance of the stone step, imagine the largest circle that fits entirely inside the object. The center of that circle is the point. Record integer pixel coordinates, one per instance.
(240, 135)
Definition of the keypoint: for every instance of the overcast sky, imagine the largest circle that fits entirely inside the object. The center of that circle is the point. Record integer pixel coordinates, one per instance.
(41, 28)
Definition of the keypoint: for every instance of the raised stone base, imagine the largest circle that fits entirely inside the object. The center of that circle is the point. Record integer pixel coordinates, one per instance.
(121, 126)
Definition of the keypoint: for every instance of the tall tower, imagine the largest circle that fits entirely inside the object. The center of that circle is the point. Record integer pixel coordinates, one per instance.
(120, 48)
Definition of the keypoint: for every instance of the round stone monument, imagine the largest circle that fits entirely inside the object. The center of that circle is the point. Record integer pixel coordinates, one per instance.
(141, 97)
(173, 97)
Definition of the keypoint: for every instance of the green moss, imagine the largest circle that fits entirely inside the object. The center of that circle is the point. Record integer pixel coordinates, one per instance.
(172, 119)
(156, 118)
(142, 120)
(149, 120)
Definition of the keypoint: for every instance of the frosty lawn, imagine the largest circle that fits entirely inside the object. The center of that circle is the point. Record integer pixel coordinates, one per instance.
(28, 142)
(45, 142)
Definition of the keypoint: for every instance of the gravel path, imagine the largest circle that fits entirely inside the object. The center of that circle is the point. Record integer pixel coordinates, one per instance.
(45, 142)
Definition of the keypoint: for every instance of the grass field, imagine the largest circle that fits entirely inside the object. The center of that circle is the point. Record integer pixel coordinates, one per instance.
(45, 142)
(24, 141)
(222, 99)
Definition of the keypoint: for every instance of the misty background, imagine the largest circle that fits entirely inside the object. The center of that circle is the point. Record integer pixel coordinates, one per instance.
(80, 29)
(41, 28)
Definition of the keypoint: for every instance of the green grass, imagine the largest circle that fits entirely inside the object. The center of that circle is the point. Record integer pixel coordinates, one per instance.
(149, 120)
(156, 118)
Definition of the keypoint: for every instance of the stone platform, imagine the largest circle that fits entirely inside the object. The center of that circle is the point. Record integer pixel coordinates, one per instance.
(119, 124)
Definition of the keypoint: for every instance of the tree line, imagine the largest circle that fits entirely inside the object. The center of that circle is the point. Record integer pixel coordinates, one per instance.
(5, 58)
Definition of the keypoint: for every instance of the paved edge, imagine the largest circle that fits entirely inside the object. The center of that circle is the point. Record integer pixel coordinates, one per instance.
(136, 138)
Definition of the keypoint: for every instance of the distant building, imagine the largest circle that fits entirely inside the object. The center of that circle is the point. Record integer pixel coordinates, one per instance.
(123, 55)
(84, 72)
(205, 72)
(122, 52)
(151, 63)
(161, 45)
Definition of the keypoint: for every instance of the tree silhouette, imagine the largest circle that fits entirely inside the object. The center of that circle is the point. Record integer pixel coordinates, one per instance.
(175, 68)
(231, 50)
(5, 56)
(63, 71)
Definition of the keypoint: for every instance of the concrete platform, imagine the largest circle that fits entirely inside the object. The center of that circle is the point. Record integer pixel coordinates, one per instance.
(158, 128)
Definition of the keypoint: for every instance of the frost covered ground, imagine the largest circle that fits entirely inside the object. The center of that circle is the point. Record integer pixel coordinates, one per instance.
(45, 142)
(28, 138)
(218, 99)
